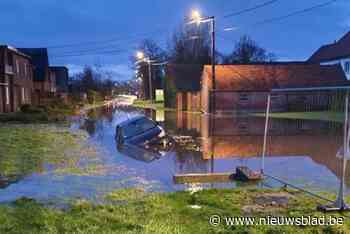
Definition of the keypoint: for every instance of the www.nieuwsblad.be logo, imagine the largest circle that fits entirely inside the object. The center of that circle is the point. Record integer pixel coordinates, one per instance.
(216, 220)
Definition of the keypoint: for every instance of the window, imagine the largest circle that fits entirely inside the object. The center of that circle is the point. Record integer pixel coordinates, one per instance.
(347, 67)
(23, 95)
(17, 66)
(138, 127)
(243, 97)
(7, 94)
(25, 69)
(9, 58)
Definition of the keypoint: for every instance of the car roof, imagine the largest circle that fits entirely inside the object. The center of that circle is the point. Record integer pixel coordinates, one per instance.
(131, 120)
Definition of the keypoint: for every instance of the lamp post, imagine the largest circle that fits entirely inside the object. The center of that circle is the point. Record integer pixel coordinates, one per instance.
(197, 18)
(141, 57)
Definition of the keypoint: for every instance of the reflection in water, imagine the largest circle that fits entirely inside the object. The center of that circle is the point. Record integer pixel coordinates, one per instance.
(241, 137)
(302, 152)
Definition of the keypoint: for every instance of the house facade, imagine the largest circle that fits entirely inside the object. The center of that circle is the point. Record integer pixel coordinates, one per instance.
(16, 79)
(61, 77)
(44, 81)
(335, 53)
(246, 87)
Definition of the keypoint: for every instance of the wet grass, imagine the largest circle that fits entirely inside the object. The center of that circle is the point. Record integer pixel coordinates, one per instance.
(28, 148)
(146, 104)
(322, 115)
(41, 114)
(132, 211)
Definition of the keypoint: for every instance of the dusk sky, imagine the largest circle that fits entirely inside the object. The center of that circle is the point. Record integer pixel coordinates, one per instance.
(107, 32)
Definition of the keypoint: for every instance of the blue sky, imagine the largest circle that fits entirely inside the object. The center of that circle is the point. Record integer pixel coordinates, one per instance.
(96, 26)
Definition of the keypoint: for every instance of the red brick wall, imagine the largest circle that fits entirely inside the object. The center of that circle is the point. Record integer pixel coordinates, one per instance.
(19, 83)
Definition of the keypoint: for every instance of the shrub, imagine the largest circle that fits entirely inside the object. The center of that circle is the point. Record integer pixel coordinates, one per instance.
(26, 108)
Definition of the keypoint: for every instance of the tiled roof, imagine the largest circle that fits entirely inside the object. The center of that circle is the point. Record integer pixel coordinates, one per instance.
(186, 77)
(263, 77)
(337, 50)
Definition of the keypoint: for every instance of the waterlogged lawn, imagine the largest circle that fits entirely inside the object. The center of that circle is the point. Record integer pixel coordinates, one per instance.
(146, 104)
(25, 149)
(133, 211)
(322, 115)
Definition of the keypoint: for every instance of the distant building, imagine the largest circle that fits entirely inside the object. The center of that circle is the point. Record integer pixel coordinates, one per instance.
(246, 87)
(16, 79)
(44, 83)
(60, 75)
(335, 53)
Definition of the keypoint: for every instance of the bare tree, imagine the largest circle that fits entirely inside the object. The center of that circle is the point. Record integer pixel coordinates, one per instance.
(155, 53)
(190, 44)
(248, 51)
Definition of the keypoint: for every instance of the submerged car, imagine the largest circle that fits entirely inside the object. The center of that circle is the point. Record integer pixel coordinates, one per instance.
(143, 139)
(139, 130)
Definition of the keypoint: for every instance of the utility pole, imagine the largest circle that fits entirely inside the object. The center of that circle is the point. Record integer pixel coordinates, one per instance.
(150, 80)
(213, 61)
(197, 18)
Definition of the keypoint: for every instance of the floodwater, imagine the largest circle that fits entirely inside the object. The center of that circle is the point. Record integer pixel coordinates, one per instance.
(300, 152)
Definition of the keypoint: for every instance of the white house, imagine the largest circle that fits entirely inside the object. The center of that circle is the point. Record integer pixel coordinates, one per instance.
(335, 53)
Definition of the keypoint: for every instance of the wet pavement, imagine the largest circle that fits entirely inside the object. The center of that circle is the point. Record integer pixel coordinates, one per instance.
(301, 152)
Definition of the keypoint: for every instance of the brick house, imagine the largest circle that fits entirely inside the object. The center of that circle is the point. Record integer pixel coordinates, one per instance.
(16, 79)
(246, 87)
(60, 75)
(44, 82)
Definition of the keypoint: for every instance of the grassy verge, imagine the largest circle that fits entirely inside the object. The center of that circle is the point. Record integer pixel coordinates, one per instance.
(323, 116)
(39, 114)
(132, 211)
(146, 104)
(25, 149)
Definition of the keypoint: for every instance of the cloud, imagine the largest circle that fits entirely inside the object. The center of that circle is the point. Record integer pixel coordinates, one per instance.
(115, 71)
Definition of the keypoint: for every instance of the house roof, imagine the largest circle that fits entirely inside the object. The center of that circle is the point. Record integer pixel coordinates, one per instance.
(40, 60)
(264, 77)
(58, 68)
(334, 51)
(186, 77)
(15, 51)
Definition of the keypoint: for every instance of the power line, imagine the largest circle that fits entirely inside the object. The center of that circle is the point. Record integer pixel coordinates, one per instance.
(107, 41)
(264, 4)
(96, 53)
(275, 19)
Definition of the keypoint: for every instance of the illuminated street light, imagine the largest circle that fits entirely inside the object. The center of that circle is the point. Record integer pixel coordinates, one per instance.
(197, 18)
(140, 55)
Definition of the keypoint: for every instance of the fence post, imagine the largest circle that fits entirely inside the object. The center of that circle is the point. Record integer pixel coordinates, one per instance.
(267, 116)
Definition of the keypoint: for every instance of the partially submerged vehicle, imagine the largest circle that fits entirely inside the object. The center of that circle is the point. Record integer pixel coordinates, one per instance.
(142, 138)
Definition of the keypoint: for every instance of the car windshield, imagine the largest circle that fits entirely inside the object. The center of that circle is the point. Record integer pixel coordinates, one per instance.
(137, 127)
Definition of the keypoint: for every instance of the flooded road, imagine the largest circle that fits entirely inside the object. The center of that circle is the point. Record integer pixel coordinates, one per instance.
(302, 152)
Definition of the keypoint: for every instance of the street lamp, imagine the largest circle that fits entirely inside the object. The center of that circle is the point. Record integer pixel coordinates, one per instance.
(141, 57)
(197, 18)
